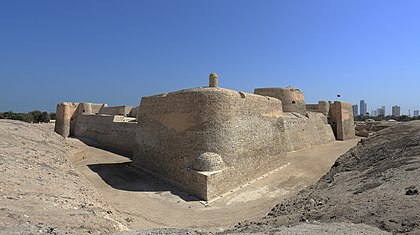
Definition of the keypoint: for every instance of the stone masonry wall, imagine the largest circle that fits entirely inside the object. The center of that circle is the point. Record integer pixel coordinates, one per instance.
(174, 129)
(64, 114)
(342, 120)
(116, 110)
(303, 132)
(292, 99)
(109, 131)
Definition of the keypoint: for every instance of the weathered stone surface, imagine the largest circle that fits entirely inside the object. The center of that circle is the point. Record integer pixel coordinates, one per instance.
(116, 110)
(208, 141)
(209, 162)
(303, 132)
(64, 114)
(342, 120)
(213, 80)
(292, 99)
(112, 132)
(174, 129)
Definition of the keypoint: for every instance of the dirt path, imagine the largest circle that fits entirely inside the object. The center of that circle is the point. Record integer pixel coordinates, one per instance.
(149, 203)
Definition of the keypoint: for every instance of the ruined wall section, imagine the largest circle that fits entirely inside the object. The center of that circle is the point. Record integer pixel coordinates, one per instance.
(64, 114)
(292, 99)
(303, 132)
(342, 120)
(112, 132)
(175, 129)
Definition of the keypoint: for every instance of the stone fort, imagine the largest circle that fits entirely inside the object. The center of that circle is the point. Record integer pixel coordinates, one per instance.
(209, 140)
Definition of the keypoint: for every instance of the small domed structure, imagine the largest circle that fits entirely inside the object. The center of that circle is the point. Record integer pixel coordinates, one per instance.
(209, 162)
(213, 80)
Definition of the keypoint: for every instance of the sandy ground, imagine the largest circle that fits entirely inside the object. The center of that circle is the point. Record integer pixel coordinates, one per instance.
(53, 185)
(149, 203)
(41, 192)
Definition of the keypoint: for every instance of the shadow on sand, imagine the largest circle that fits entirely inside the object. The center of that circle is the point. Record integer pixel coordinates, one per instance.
(123, 176)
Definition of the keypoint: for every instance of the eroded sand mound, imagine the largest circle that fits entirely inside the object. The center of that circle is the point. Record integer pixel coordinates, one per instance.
(40, 192)
(375, 183)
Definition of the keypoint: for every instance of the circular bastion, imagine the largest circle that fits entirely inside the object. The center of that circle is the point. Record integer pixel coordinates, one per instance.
(292, 99)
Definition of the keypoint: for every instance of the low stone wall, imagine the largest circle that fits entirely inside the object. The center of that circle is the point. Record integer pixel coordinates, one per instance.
(116, 110)
(110, 131)
(303, 132)
(175, 129)
(312, 108)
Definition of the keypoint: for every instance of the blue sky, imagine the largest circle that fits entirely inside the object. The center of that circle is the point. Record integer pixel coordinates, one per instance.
(115, 52)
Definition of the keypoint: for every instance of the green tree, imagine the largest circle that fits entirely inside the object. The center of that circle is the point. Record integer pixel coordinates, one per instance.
(44, 117)
(52, 116)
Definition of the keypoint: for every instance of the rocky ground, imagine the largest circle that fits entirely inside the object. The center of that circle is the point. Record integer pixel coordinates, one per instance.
(366, 128)
(375, 183)
(40, 192)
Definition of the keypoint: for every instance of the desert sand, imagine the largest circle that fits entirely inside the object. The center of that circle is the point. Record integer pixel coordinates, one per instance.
(56, 185)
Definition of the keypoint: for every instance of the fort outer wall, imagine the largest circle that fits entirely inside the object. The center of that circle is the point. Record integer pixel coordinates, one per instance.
(303, 128)
(303, 132)
(208, 141)
(85, 120)
(110, 131)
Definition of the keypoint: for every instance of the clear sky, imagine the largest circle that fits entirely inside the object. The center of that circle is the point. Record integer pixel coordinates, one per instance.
(115, 52)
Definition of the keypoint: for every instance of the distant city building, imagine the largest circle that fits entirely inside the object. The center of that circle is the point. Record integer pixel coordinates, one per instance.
(355, 110)
(363, 108)
(381, 111)
(375, 113)
(416, 113)
(396, 111)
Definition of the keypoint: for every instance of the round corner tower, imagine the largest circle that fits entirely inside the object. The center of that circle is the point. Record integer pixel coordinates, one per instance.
(292, 99)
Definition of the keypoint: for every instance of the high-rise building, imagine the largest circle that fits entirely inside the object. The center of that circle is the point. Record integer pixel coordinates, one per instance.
(355, 110)
(363, 108)
(396, 111)
(381, 111)
(416, 113)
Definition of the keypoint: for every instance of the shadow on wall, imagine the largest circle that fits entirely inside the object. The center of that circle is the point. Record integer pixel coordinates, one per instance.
(122, 176)
(95, 144)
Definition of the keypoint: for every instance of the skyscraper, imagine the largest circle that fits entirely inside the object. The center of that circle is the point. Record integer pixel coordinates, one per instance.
(363, 108)
(355, 110)
(381, 111)
(396, 111)
(416, 113)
